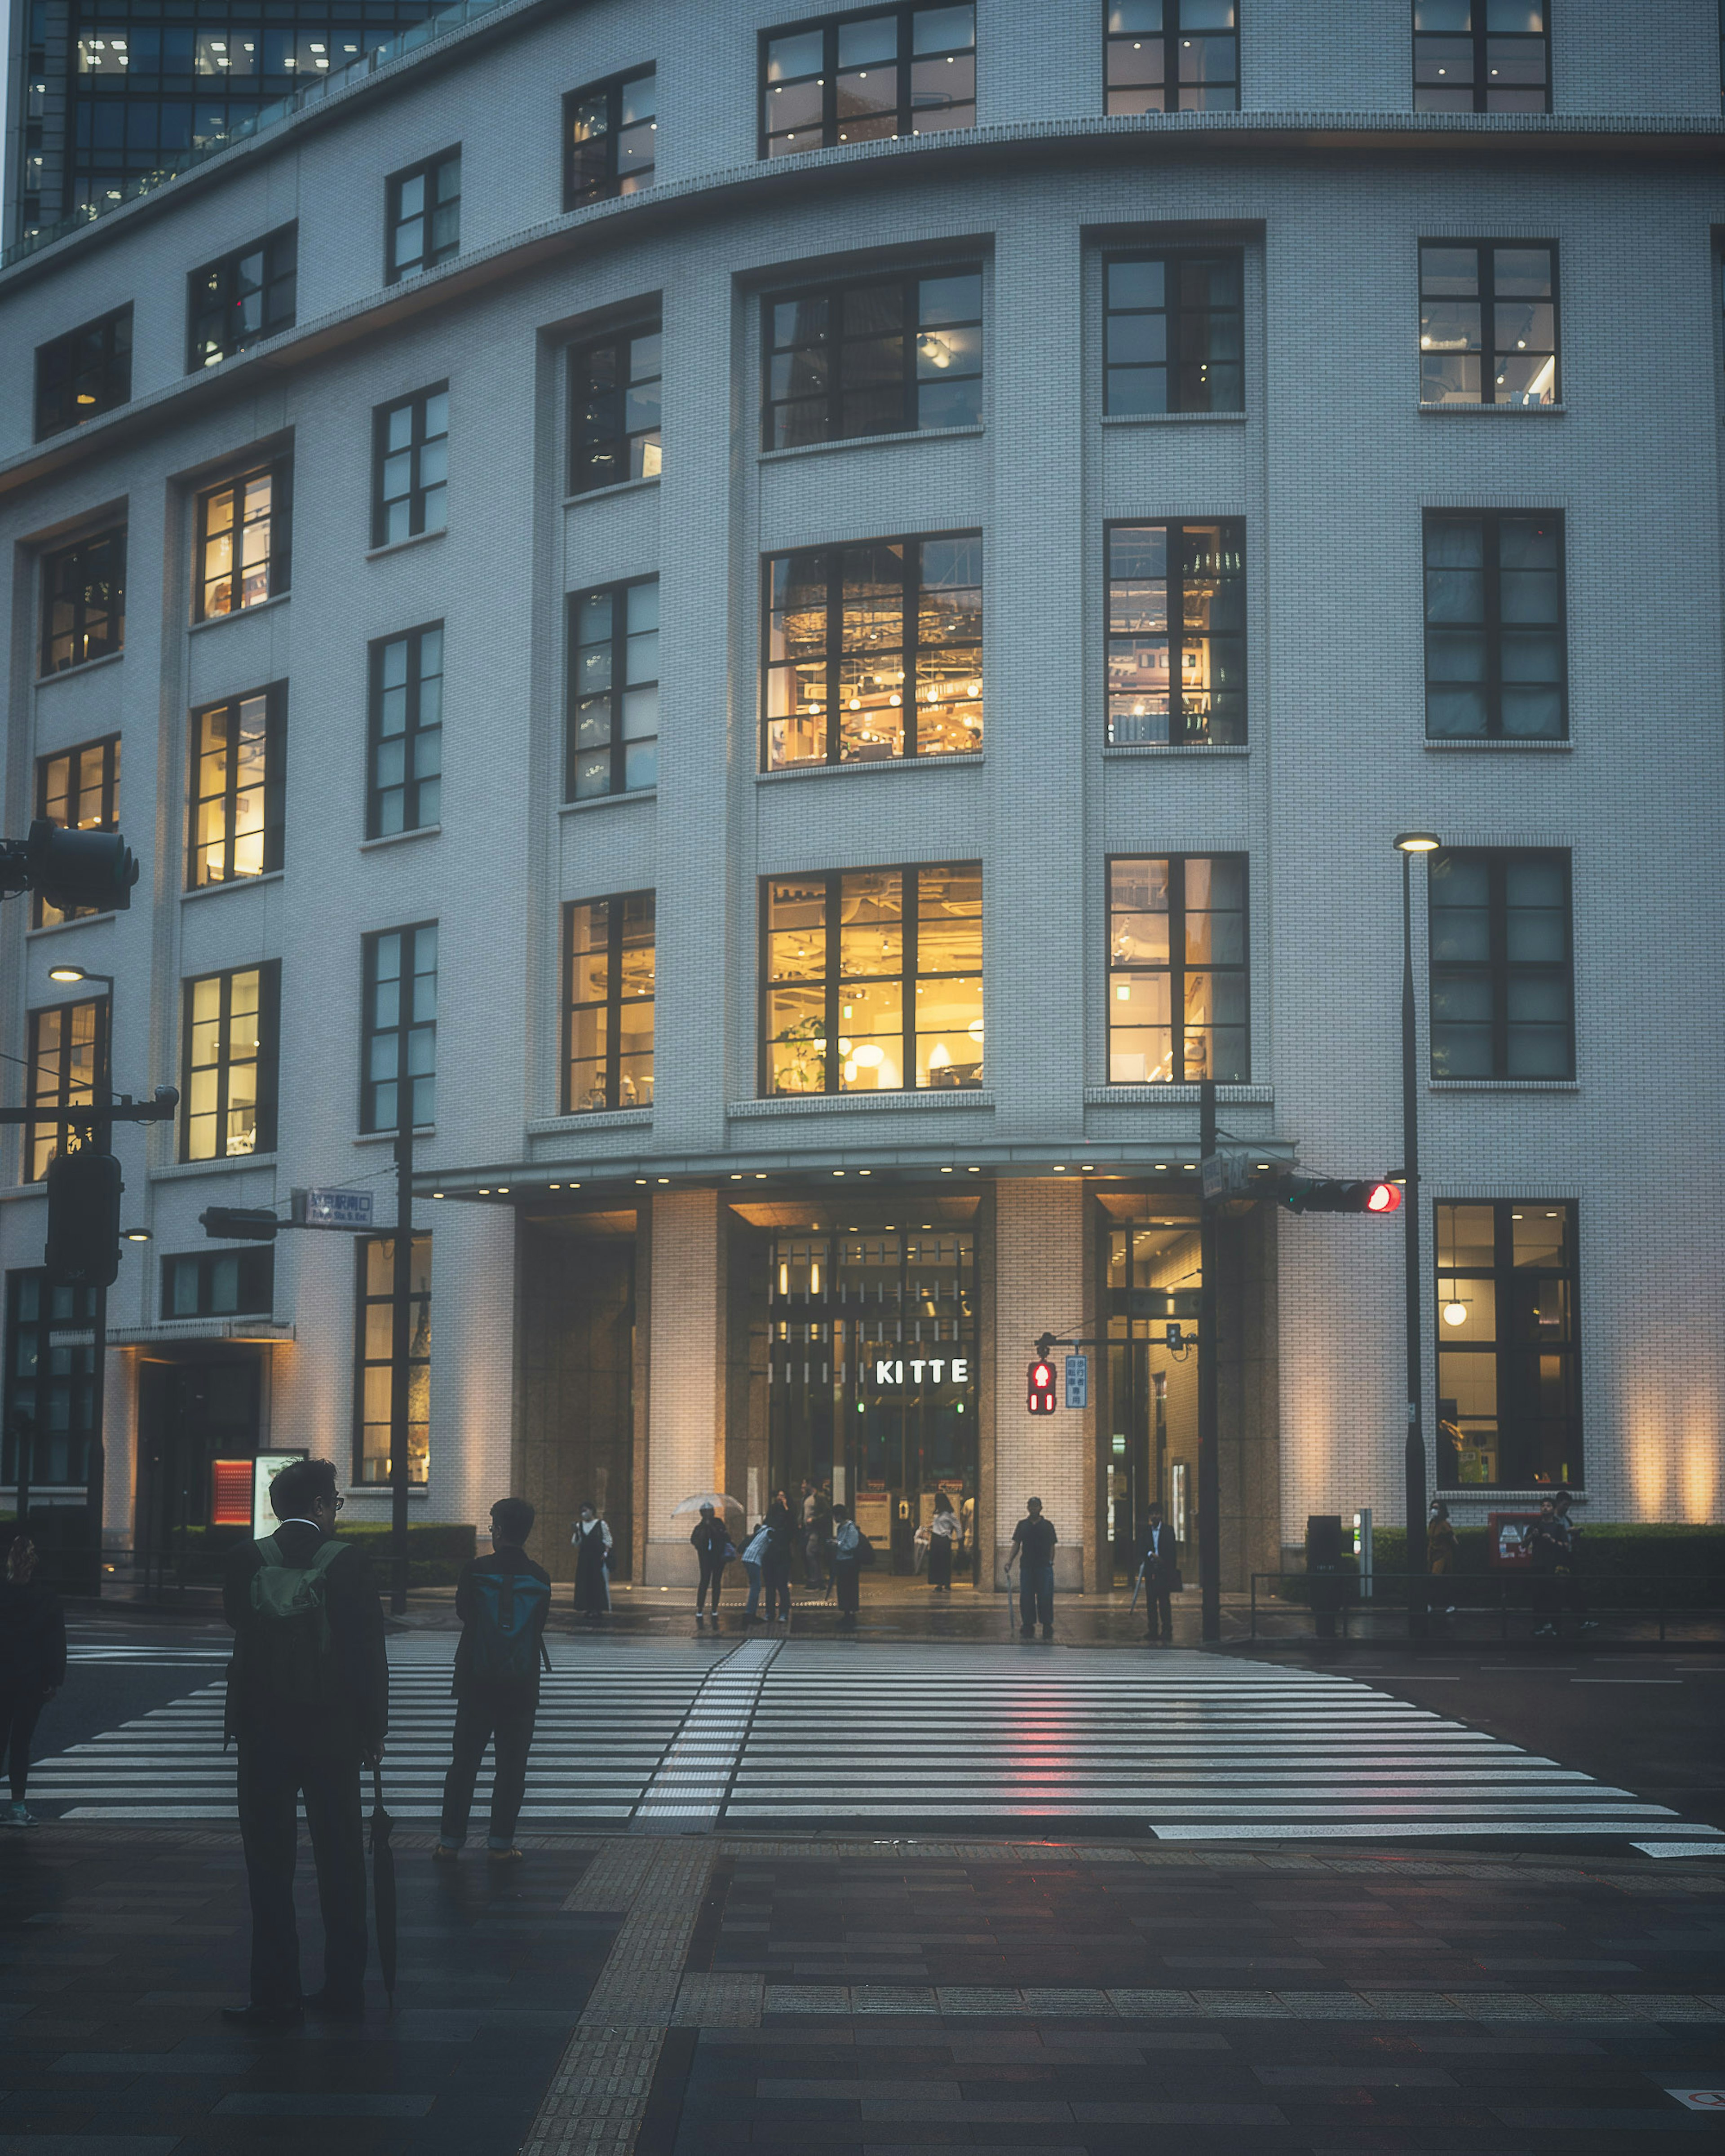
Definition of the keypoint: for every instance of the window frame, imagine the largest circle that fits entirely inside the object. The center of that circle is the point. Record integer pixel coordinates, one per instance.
(613, 1004)
(42, 1140)
(1481, 39)
(278, 555)
(107, 783)
(266, 1063)
(1498, 969)
(413, 731)
(1492, 626)
(578, 358)
(612, 88)
(419, 1318)
(1194, 728)
(256, 1283)
(418, 495)
(1175, 970)
(1174, 313)
(83, 613)
(1169, 36)
(427, 169)
(1488, 305)
(903, 13)
(620, 742)
(112, 369)
(405, 1079)
(224, 273)
(833, 292)
(273, 788)
(74, 1380)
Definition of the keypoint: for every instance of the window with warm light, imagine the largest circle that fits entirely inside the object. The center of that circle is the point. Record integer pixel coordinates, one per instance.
(1508, 1350)
(1481, 56)
(374, 1365)
(66, 1046)
(613, 735)
(610, 138)
(405, 787)
(80, 790)
(1488, 324)
(410, 466)
(424, 218)
(83, 373)
(1173, 333)
(228, 1057)
(1177, 651)
(1495, 664)
(238, 758)
(614, 402)
(243, 298)
(1178, 1001)
(868, 77)
(882, 355)
(84, 601)
(1172, 56)
(1502, 969)
(244, 541)
(609, 970)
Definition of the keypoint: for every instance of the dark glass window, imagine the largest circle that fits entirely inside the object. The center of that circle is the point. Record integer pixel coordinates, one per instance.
(607, 1055)
(613, 744)
(1488, 324)
(239, 756)
(244, 549)
(217, 1283)
(410, 465)
(1494, 625)
(1508, 1345)
(872, 980)
(613, 408)
(1177, 632)
(83, 374)
(374, 1370)
(425, 216)
(868, 77)
(1172, 56)
(65, 1048)
(50, 1390)
(884, 357)
(1177, 971)
(229, 1062)
(400, 1066)
(875, 652)
(84, 601)
(246, 296)
(78, 789)
(1173, 334)
(1481, 56)
(610, 138)
(406, 788)
(1501, 968)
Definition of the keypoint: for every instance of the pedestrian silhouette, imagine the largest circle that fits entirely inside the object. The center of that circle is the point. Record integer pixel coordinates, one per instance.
(503, 1601)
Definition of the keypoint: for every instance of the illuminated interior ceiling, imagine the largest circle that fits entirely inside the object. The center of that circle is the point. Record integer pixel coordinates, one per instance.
(908, 1210)
(1151, 1205)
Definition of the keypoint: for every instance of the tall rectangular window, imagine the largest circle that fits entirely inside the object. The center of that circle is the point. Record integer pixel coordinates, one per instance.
(83, 373)
(405, 792)
(1481, 56)
(614, 408)
(84, 601)
(1177, 1005)
(217, 1283)
(610, 138)
(1172, 56)
(1508, 1345)
(241, 299)
(423, 216)
(608, 973)
(1174, 335)
(872, 980)
(400, 1056)
(410, 465)
(612, 738)
(80, 790)
(374, 1366)
(239, 756)
(886, 356)
(50, 1387)
(244, 541)
(1494, 625)
(65, 1048)
(1488, 323)
(875, 652)
(1502, 986)
(867, 78)
(228, 1050)
(1177, 633)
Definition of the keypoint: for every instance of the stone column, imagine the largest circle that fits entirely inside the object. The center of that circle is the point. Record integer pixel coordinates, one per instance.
(685, 1438)
(1041, 1285)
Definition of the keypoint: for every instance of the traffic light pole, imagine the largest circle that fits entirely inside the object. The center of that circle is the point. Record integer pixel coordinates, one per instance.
(1210, 1478)
(400, 1349)
(101, 1138)
(1414, 1449)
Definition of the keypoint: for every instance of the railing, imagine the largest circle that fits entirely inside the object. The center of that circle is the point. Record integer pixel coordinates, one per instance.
(1433, 1599)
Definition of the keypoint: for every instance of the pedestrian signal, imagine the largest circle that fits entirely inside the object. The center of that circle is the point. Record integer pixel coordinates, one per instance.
(1318, 1194)
(1040, 1395)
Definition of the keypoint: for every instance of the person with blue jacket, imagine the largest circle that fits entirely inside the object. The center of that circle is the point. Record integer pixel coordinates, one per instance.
(503, 1601)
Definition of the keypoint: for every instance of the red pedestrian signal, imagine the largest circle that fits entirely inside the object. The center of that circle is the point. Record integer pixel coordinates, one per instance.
(1040, 1393)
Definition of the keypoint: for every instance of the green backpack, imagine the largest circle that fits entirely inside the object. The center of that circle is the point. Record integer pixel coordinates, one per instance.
(291, 1627)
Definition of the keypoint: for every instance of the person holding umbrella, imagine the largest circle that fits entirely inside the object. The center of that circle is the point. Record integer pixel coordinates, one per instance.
(713, 1552)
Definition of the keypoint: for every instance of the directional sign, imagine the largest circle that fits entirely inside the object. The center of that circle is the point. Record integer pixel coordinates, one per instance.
(337, 1208)
(1078, 1381)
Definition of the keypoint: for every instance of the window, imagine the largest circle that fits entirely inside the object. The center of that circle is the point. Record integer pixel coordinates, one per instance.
(425, 216)
(1481, 302)
(613, 742)
(868, 77)
(244, 549)
(374, 1374)
(84, 601)
(884, 964)
(50, 1389)
(237, 755)
(66, 1046)
(83, 374)
(410, 464)
(217, 1283)
(228, 1056)
(80, 790)
(1501, 969)
(609, 130)
(1172, 56)
(1481, 56)
(607, 1049)
(245, 297)
(875, 652)
(1172, 334)
(613, 408)
(1177, 971)
(883, 357)
(1494, 626)
(1177, 633)
(1508, 1355)
(405, 793)
(400, 1069)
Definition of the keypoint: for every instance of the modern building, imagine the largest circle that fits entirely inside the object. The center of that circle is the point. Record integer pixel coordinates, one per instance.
(783, 631)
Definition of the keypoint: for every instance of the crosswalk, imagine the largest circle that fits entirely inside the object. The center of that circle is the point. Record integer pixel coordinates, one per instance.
(1184, 1746)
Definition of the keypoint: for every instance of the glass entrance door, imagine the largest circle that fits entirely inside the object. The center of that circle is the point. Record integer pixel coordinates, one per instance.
(1153, 1281)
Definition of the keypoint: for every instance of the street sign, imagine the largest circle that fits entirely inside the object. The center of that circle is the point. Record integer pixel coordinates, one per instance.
(1226, 1174)
(335, 1208)
(1078, 1381)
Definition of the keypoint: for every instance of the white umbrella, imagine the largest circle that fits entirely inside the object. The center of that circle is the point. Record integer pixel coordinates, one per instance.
(716, 1498)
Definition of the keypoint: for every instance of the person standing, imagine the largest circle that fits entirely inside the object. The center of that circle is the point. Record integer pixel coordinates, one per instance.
(848, 1552)
(1160, 1573)
(1032, 1548)
(503, 1601)
(1441, 1551)
(775, 1561)
(32, 1660)
(1572, 1592)
(590, 1539)
(1548, 1545)
(710, 1541)
(308, 1702)
(943, 1541)
(753, 1551)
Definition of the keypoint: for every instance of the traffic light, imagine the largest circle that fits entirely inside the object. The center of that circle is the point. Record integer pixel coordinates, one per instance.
(241, 1224)
(1040, 1393)
(83, 1248)
(1320, 1193)
(79, 868)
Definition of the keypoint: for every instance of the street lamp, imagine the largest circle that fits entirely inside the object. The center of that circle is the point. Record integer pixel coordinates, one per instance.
(1406, 844)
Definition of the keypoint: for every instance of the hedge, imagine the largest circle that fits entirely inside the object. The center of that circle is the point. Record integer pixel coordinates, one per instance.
(1682, 1565)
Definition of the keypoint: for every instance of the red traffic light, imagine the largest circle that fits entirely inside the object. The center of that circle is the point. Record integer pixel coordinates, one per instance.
(1385, 1198)
(1039, 1392)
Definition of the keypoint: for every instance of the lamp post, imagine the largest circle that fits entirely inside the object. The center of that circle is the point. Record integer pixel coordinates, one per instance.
(102, 1136)
(1408, 843)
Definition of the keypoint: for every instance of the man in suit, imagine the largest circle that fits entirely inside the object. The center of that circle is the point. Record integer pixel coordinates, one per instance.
(1161, 1569)
(308, 1702)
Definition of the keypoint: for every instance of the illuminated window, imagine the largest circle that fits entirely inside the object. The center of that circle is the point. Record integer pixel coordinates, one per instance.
(1177, 970)
(80, 789)
(610, 138)
(1172, 334)
(243, 554)
(1494, 626)
(399, 1068)
(868, 77)
(614, 408)
(241, 299)
(609, 974)
(1508, 1350)
(1172, 56)
(374, 1370)
(83, 374)
(410, 465)
(406, 790)
(1177, 633)
(425, 216)
(1481, 56)
(237, 755)
(1488, 324)
(613, 742)
(84, 601)
(1502, 990)
(229, 1061)
(66, 1044)
(886, 356)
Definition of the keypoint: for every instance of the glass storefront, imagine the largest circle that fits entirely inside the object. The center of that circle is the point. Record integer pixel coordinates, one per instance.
(1154, 1282)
